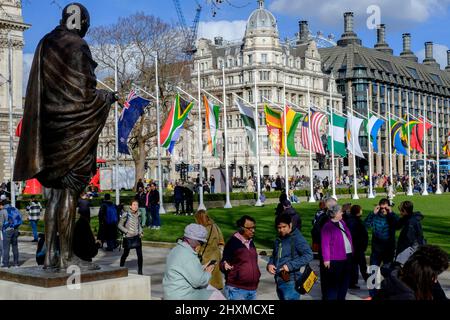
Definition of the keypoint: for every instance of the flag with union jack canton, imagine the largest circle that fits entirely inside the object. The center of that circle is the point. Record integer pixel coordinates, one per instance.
(133, 109)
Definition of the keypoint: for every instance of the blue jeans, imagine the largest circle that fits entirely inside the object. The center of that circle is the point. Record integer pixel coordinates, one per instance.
(154, 210)
(10, 240)
(33, 224)
(232, 293)
(286, 290)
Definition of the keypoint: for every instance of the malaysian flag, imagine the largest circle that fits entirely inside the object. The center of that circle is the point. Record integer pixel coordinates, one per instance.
(316, 120)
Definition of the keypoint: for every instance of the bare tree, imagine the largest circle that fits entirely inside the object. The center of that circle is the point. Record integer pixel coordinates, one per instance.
(133, 41)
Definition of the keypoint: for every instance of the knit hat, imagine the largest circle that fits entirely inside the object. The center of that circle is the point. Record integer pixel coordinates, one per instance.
(196, 232)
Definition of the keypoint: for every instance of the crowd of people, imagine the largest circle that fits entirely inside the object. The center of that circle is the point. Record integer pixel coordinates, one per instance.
(203, 265)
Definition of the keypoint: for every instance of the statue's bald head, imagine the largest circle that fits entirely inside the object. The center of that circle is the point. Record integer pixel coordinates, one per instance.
(75, 17)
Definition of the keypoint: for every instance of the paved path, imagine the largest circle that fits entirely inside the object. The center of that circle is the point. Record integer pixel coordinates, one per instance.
(154, 263)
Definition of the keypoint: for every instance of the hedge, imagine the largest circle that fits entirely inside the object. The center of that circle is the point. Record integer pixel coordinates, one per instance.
(127, 196)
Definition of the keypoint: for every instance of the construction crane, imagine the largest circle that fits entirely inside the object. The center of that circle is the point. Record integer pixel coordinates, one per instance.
(190, 34)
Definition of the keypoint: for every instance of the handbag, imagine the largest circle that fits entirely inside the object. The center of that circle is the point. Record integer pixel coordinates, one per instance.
(305, 283)
(132, 243)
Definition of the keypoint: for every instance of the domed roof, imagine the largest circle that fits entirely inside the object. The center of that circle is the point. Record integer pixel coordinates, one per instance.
(261, 19)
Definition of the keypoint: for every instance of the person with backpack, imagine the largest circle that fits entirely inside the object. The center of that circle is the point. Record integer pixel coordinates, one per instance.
(10, 221)
(108, 219)
(130, 225)
(411, 234)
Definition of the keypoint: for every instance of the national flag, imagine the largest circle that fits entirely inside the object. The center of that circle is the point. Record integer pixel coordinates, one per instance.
(248, 117)
(133, 109)
(316, 142)
(338, 130)
(446, 147)
(373, 126)
(292, 120)
(397, 143)
(417, 135)
(404, 134)
(353, 127)
(212, 124)
(274, 128)
(172, 128)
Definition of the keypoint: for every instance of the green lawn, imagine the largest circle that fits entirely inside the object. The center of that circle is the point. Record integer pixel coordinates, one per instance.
(436, 224)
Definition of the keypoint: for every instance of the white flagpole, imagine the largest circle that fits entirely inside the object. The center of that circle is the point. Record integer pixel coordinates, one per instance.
(258, 178)
(355, 180)
(333, 178)
(116, 116)
(391, 181)
(425, 146)
(225, 128)
(11, 136)
(201, 205)
(158, 132)
(438, 178)
(311, 182)
(410, 190)
(371, 195)
(286, 174)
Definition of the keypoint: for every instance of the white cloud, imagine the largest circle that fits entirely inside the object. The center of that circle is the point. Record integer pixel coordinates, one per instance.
(27, 61)
(228, 30)
(439, 53)
(330, 12)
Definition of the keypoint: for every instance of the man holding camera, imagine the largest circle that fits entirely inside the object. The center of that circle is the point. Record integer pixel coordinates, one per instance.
(382, 222)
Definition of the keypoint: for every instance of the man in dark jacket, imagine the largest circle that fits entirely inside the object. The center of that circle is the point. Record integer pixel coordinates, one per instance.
(240, 262)
(154, 206)
(107, 232)
(411, 234)
(295, 218)
(188, 194)
(178, 197)
(290, 253)
(360, 239)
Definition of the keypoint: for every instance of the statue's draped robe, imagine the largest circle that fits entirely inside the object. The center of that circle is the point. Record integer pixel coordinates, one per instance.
(64, 114)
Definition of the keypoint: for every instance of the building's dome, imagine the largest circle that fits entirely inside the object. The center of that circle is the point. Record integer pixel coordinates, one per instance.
(261, 19)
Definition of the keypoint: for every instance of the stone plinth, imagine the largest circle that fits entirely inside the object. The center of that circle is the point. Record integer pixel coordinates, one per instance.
(109, 283)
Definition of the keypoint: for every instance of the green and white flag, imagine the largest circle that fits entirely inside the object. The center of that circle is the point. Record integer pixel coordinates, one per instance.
(248, 118)
(212, 124)
(338, 135)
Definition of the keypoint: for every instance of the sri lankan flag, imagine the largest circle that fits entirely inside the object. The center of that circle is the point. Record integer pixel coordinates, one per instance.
(171, 129)
(274, 128)
(292, 120)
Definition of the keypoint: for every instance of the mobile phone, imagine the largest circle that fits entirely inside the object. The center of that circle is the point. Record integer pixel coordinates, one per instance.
(212, 262)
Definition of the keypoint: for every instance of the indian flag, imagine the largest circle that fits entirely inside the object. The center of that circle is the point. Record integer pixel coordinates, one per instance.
(338, 131)
(292, 120)
(212, 124)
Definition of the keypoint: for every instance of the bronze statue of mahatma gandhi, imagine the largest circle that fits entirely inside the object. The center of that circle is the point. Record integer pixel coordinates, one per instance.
(64, 114)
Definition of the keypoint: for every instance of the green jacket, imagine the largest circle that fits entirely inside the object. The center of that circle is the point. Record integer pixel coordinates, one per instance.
(184, 278)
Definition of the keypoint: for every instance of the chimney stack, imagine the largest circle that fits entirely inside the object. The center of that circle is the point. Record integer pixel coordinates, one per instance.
(448, 61)
(218, 41)
(303, 32)
(349, 36)
(381, 44)
(407, 53)
(429, 60)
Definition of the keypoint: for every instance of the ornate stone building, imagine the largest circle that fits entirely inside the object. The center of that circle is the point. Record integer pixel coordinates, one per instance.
(11, 23)
(274, 62)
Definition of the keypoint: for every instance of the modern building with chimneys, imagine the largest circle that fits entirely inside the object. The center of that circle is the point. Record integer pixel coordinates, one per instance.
(424, 84)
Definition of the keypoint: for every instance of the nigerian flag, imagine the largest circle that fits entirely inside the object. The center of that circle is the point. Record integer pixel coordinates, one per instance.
(338, 135)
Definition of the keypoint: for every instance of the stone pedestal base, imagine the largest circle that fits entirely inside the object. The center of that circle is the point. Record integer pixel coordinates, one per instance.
(107, 284)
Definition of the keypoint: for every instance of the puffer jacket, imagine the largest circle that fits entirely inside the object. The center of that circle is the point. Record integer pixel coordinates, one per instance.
(411, 233)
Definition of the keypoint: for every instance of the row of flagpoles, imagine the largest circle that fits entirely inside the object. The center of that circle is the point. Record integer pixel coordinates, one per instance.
(339, 127)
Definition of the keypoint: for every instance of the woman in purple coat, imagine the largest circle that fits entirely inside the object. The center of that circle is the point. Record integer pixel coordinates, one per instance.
(337, 250)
